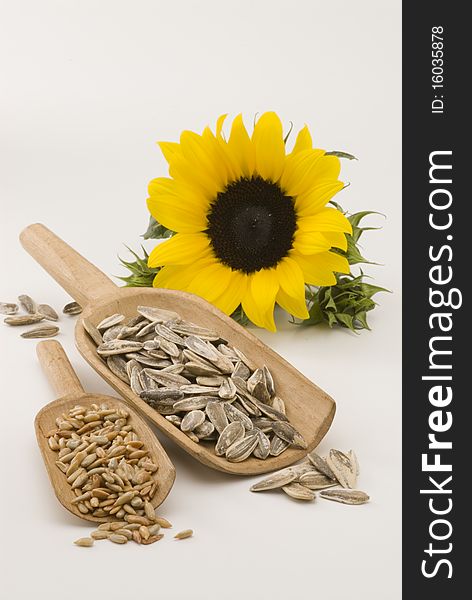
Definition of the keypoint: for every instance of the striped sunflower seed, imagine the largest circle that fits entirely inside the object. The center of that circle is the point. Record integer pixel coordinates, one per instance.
(72, 308)
(42, 331)
(48, 312)
(345, 496)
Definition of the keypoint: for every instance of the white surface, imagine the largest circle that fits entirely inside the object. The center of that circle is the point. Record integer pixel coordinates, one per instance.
(89, 87)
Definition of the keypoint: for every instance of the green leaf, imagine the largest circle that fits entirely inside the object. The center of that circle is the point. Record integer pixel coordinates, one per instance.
(346, 320)
(156, 231)
(340, 154)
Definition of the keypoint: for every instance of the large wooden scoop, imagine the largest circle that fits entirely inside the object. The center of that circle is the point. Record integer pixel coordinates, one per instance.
(309, 408)
(63, 379)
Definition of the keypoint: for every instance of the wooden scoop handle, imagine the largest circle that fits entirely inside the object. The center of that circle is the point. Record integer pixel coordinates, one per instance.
(82, 280)
(58, 369)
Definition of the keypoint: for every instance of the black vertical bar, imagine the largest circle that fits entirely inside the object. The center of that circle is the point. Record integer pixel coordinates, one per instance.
(435, 120)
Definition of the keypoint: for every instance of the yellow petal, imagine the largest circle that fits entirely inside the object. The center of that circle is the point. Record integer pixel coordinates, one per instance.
(181, 249)
(336, 239)
(291, 295)
(176, 207)
(290, 277)
(219, 124)
(311, 173)
(318, 268)
(303, 141)
(294, 306)
(334, 261)
(211, 281)
(310, 243)
(310, 203)
(269, 146)
(177, 277)
(241, 148)
(199, 152)
(327, 219)
(232, 296)
(169, 150)
(259, 300)
(296, 167)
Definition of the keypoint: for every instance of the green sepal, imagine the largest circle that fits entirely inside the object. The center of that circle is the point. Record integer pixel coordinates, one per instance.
(341, 154)
(156, 231)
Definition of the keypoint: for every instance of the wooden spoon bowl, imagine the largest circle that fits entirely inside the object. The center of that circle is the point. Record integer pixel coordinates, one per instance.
(309, 408)
(63, 378)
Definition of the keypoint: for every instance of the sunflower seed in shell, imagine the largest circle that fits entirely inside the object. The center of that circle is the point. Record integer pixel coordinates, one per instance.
(174, 419)
(169, 335)
(345, 496)
(243, 358)
(112, 333)
(27, 304)
(275, 480)
(72, 308)
(193, 436)
(158, 315)
(118, 347)
(127, 332)
(263, 423)
(8, 308)
(320, 464)
(193, 403)
(270, 412)
(185, 328)
(288, 433)
(227, 389)
(117, 366)
(215, 381)
(85, 542)
(315, 481)
(278, 404)
(146, 330)
(204, 430)
(250, 408)
(171, 380)
(257, 377)
(234, 414)
(299, 492)
(182, 535)
(168, 347)
(42, 331)
(92, 331)
(217, 415)
(48, 312)
(19, 320)
(354, 462)
(154, 345)
(111, 321)
(277, 446)
(192, 419)
(269, 380)
(342, 468)
(241, 371)
(135, 381)
(194, 390)
(197, 368)
(163, 393)
(262, 449)
(242, 449)
(231, 433)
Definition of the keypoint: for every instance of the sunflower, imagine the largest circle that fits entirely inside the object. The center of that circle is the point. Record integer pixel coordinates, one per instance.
(251, 221)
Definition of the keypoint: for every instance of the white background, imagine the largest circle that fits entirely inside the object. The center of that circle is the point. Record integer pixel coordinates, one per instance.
(88, 88)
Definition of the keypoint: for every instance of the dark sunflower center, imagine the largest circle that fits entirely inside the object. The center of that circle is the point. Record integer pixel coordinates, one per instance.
(251, 224)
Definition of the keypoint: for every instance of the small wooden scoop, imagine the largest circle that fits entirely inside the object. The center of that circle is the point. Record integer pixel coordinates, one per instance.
(309, 409)
(60, 373)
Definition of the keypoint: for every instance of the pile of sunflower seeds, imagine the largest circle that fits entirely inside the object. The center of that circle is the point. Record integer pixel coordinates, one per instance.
(35, 313)
(300, 481)
(122, 532)
(106, 464)
(201, 384)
